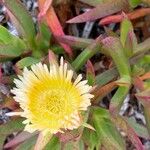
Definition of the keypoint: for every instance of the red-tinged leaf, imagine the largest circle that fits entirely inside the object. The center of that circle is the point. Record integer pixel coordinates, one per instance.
(118, 18)
(145, 76)
(121, 123)
(100, 92)
(52, 57)
(125, 31)
(140, 130)
(90, 73)
(45, 8)
(111, 19)
(9, 103)
(28, 144)
(90, 67)
(135, 139)
(21, 137)
(75, 41)
(101, 11)
(144, 97)
(14, 125)
(94, 2)
(69, 135)
(138, 83)
(54, 25)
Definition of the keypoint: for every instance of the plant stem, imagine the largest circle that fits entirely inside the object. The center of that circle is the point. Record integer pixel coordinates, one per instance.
(116, 51)
(86, 54)
(147, 117)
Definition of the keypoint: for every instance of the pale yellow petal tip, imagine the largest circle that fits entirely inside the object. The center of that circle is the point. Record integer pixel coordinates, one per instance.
(47, 95)
(10, 114)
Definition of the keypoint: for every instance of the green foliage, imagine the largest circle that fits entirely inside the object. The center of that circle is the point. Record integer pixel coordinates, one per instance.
(126, 26)
(106, 133)
(74, 145)
(54, 143)
(128, 38)
(43, 38)
(140, 130)
(10, 45)
(86, 54)
(27, 145)
(129, 59)
(26, 62)
(14, 125)
(134, 3)
(22, 20)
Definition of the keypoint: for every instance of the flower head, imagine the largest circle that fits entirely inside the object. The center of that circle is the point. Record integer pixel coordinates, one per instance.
(50, 100)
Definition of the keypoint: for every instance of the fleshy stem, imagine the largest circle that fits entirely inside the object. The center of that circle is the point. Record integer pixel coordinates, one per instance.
(86, 54)
(145, 100)
(115, 49)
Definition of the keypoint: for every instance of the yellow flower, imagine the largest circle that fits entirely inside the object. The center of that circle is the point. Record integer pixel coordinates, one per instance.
(50, 100)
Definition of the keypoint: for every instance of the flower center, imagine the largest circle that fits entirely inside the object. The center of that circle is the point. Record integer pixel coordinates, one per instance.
(53, 101)
(50, 102)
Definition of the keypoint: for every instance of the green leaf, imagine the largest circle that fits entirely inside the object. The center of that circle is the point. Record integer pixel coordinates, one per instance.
(5, 36)
(43, 38)
(115, 49)
(10, 45)
(144, 62)
(126, 26)
(22, 20)
(134, 3)
(2, 140)
(27, 145)
(57, 49)
(140, 130)
(91, 79)
(128, 38)
(14, 125)
(45, 32)
(106, 133)
(78, 145)
(10, 51)
(54, 143)
(106, 76)
(91, 139)
(26, 62)
(122, 124)
(146, 59)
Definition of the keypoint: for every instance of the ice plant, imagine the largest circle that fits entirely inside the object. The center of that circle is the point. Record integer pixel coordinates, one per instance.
(50, 100)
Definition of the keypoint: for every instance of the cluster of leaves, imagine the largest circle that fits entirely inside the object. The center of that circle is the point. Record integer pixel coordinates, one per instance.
(131, 65)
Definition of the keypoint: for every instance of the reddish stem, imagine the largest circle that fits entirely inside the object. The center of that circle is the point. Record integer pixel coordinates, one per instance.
(118, 18)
